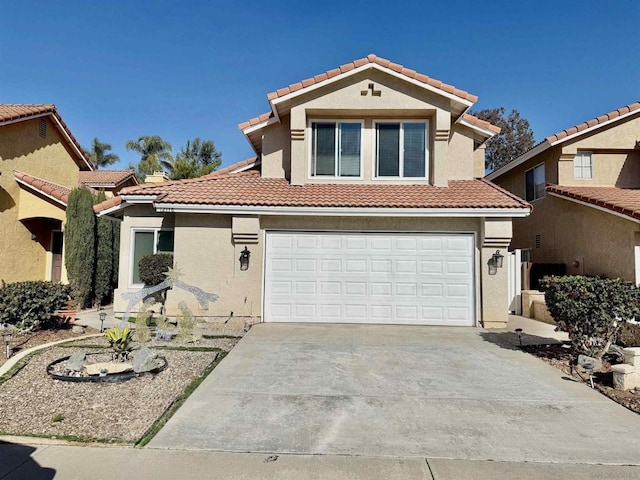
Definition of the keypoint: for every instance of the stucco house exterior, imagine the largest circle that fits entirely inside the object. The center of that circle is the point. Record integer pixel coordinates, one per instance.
(584, 185)
(362, 205)
(40, 162)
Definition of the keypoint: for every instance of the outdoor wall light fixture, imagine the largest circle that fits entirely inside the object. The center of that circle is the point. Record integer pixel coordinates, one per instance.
(244, 259)
(495, 262)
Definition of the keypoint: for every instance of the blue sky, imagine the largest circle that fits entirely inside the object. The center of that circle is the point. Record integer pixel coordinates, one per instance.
(121, 69)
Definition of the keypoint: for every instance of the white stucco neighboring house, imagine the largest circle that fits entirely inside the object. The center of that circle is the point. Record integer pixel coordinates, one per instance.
(363, 204)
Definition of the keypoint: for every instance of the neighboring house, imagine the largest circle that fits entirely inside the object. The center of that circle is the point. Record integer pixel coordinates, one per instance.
(109, 181)
(584, 185)
(360, 206)
(40, 161)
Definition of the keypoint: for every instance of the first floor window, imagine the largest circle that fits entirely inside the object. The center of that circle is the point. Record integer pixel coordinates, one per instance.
(336, 149)
(583, 166)
(534, 183)
(401, 149)
(147, 242)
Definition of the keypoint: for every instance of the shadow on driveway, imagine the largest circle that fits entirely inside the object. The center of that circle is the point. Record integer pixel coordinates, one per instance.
(16, 462)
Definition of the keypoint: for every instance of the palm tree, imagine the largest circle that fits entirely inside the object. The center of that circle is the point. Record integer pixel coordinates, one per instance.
(155, 153)
(99, 155)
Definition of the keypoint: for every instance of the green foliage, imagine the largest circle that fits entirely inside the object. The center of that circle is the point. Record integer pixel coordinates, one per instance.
(58, 417)
(515, 137)
(155, 154)
(104, 257)
(80, 245)
(629, 335)
(120, 341)
(590, 309)
(99, 155)
(115, 229)
(196, 158)
(154, 268)
(186, 323)
(31, 305)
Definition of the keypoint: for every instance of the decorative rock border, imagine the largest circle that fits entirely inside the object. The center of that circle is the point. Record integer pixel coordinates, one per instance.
(109, 378)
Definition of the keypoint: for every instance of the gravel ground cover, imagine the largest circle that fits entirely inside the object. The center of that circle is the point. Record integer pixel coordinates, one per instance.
(31, 403)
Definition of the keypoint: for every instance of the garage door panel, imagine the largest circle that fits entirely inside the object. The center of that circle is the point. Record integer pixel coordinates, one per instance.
(379, 278)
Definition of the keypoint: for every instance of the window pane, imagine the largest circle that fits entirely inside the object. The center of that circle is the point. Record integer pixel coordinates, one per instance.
(414, 149)
(529, 188)
(165, 242)
(324, 148)
(388, 150)
(349, 150)
(142, 245)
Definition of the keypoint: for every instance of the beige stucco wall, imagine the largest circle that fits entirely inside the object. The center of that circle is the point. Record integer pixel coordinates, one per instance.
(276, 150)
(23, 149)
(207, 256)
(602, 243)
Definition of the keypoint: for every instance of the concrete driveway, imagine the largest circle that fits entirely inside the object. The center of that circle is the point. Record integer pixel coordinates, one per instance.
(398, 391)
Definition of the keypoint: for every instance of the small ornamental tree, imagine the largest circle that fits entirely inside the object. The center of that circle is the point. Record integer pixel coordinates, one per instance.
(590, 309)
(153, 271)
(79, 245)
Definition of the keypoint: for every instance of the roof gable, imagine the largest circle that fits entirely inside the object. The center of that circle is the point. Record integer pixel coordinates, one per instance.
(577, 131)
(12, 113)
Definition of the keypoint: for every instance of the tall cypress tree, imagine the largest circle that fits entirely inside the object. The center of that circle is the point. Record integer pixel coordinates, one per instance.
(79, 245)
(104, 257)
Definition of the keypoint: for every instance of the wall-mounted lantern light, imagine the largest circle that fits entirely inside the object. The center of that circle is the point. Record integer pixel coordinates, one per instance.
(244, 259)
(495, 262)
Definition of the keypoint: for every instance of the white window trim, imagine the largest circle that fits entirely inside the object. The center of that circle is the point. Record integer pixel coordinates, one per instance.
(583, 153)
(310, 175)
(374, 148)
(534, 185)
(156, 231)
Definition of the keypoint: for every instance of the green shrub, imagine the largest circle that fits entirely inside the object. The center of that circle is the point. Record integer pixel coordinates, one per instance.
(154, 268)
(629, 335)
(31, 305)
(590, 309)
(80, 245)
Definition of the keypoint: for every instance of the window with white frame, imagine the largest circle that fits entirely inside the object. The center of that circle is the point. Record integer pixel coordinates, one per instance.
(336, 149)
(583, 166)
(146, 242)
(401, 149)
(534, 183)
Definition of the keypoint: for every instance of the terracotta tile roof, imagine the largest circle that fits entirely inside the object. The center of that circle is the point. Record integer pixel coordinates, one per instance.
(16, 112)
(235, 166)
(254, 121)
(106, 178)
(481, 123)
(59, 192)
(593, 122)
(109, 203)
(249, 189)
(372, 59)
(625, 201)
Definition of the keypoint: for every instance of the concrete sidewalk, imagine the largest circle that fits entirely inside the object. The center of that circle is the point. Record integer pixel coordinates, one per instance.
(44, 462)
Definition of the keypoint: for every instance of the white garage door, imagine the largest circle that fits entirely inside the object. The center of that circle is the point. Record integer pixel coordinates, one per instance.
(424, 279)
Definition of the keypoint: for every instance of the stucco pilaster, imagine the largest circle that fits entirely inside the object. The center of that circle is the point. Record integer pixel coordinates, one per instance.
(442, 132)
(298, 146)
(495, 235)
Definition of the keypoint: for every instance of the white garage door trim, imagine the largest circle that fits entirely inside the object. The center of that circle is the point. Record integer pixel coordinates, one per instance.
(370, 277)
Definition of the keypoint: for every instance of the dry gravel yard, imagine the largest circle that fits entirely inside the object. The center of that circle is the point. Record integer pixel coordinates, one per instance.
(31, 402)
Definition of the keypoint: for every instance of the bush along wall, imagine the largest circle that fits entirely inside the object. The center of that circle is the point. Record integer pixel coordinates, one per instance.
(591, 310)
(31, 305)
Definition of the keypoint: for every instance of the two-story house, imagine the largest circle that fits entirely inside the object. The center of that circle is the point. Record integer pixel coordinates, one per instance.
(584, 185)
(40, 162)
(362, 205)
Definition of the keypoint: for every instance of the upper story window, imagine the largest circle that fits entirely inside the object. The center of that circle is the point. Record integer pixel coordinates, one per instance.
(336, 149)
(401, 149)
(146, 242)
(583, 166)
(534, 183)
